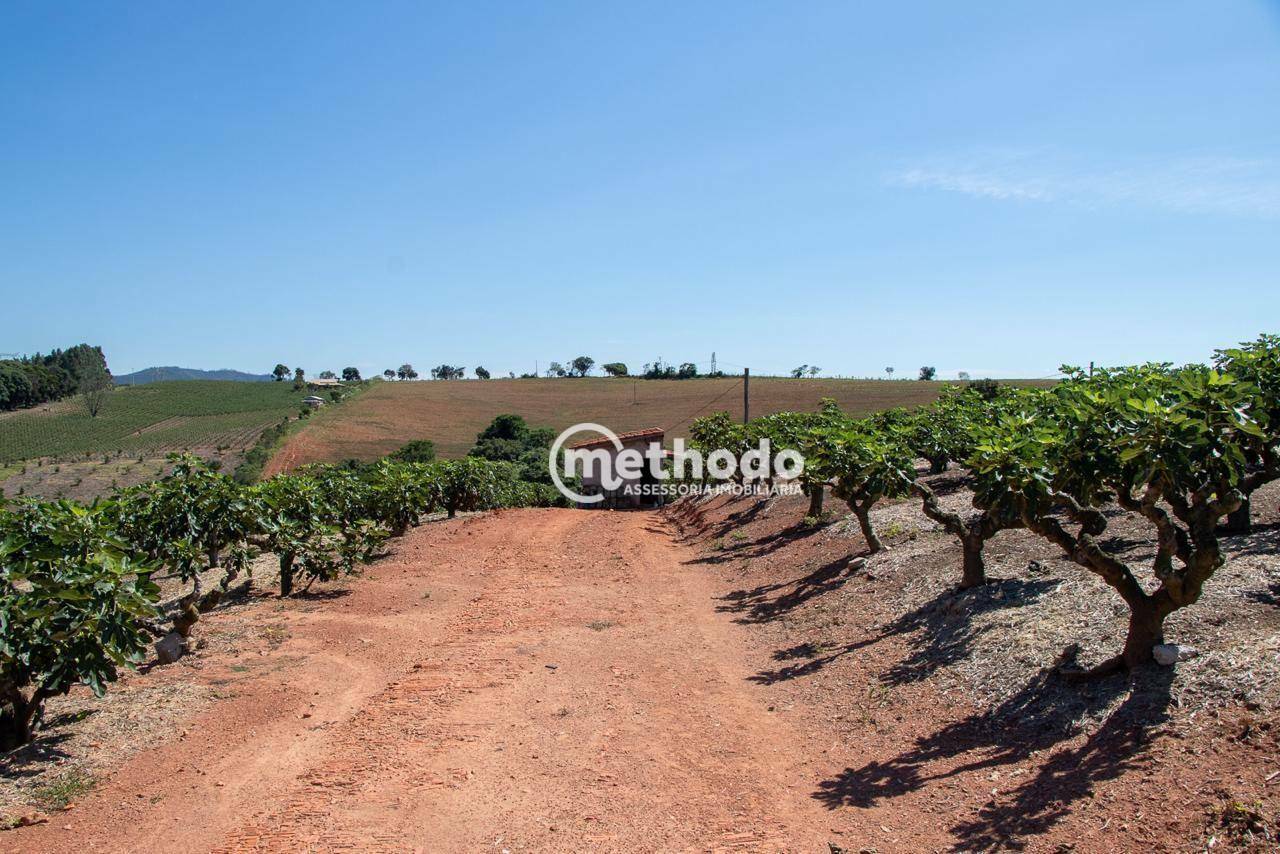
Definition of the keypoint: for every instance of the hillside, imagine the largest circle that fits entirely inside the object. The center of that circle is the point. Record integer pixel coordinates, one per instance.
(57, 450)
(450, 414)
(175, 374)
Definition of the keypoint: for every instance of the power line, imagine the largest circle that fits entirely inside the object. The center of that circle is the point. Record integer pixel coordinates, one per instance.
(703, 408)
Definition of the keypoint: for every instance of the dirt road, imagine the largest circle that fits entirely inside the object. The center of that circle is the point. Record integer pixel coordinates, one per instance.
(532, 680)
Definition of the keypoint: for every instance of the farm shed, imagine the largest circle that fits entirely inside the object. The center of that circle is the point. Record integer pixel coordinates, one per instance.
(631, 493)
(313, 401)
(325, 382)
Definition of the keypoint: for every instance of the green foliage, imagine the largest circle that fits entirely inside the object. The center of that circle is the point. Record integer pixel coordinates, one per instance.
(473, 484)
(301, 522)
(987, 388)
(41, 378)
(482, 373)
(1167, 445)
(928, 372)
(1178, 448)
(351, 375)
(581, 366)
(615, 369)
(149, 419)
(398, 494)
(866, 466)
(1256, 364)
(417, 451)
(718, 432)
(74, 598)
(256, 459)
(509, 439)
(186, 520)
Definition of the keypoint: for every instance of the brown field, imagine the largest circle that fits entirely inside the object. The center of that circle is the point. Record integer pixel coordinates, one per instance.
(452, 413)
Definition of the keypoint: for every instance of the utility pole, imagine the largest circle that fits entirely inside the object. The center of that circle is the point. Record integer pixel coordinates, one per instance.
(1091, 370)
(713, 362)
(746, 395)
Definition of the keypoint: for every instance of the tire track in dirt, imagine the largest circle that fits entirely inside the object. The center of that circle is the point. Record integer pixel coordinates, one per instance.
(345, 802)
(568, 684)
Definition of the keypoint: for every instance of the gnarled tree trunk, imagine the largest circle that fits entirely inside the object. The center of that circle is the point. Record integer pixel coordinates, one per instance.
(1146, 629)
(816, 492)
(863, 515)
(972, 533)
(975, 568)
(1194, 547)
(17, 721)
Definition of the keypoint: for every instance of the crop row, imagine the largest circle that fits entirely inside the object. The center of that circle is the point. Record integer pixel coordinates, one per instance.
(77, 599)
(149, 419)
(1181, 449)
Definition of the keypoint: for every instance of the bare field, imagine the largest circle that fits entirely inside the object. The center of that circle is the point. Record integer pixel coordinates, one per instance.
(452, 413)
(95, 475)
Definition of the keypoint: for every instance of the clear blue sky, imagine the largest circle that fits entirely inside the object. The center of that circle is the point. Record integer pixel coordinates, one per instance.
(994, 187)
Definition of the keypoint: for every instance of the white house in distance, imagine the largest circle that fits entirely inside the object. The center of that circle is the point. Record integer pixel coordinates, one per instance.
(312, 401)
(639, 440)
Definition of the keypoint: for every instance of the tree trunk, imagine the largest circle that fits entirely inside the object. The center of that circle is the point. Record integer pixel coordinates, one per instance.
(815, 501)
(286, 574)
(975, 568)
(1238, 521)
(868, 533)
(1146, 629)
(17, 722)
(938, 466)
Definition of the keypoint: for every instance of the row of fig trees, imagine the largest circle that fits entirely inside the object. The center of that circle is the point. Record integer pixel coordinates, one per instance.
(1180, 449)
(77, 596)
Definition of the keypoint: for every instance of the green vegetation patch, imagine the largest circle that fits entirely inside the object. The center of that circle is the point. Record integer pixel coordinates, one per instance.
(153, 418)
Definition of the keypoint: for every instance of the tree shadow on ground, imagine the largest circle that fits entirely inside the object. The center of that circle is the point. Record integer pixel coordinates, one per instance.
(1043, 713)
(768, 602)
(1270, 596)
(1264, 539)
(942, 631)
(761, 547)
(323, 594)
(42, 752)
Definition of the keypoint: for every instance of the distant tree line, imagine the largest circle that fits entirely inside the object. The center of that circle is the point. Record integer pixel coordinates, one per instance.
(32, 380)
(579, 366)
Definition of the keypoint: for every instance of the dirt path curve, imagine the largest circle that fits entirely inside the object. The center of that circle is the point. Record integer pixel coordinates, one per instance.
(532, 680)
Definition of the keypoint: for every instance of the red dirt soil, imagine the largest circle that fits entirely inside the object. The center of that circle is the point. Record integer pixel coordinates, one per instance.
(558, 680)
(567, 683)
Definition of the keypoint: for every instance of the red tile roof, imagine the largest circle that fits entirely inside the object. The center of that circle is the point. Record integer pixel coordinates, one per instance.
(656, 432)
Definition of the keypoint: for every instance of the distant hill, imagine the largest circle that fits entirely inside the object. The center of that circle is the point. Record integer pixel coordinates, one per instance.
(159, 375)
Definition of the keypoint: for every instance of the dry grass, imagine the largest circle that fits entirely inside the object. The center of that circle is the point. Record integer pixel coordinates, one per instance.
(97, 475)
(983, 646)
(452, 413)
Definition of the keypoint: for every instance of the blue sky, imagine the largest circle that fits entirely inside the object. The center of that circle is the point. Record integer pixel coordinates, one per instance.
(997, 187)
